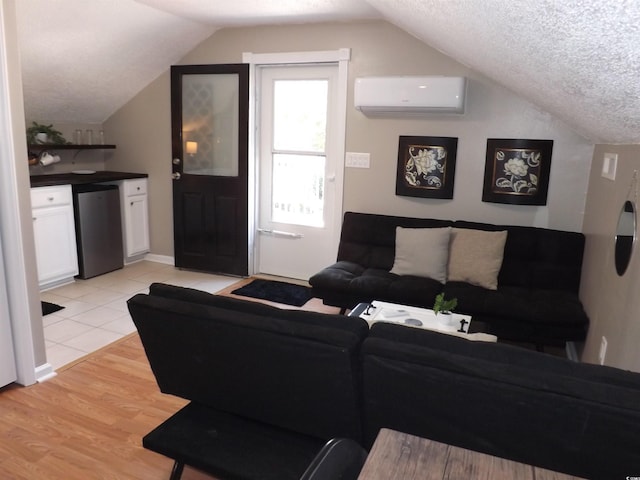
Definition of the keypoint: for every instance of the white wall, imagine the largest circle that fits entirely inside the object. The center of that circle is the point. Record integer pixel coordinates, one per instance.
(16, 226)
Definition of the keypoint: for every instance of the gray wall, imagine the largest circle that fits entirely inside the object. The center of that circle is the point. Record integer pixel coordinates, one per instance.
(612, 301)
(141, 129)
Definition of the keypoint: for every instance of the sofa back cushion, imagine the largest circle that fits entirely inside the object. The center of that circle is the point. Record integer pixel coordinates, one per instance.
(291, 373)
(486, 397)
(370, 240)
(537, 257)
(533, 257)
(303, 317)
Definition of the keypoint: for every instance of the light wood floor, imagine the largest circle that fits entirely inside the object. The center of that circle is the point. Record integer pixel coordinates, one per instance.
(87, 423)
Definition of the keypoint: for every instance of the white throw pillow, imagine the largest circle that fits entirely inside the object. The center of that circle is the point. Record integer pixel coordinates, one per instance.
(422, 252)
(475, 256)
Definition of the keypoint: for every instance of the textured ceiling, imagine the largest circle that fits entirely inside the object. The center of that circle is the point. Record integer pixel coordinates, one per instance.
(577, 59)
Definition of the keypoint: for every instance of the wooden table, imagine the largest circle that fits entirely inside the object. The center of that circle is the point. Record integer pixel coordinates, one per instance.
(400, 456)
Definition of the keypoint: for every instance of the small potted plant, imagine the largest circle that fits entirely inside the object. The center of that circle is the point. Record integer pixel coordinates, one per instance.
(44, 134)
(444, 308)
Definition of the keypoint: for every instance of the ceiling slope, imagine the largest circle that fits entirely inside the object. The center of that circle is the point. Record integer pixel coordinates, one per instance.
(225, 13)
(82, 60)
(577, 59)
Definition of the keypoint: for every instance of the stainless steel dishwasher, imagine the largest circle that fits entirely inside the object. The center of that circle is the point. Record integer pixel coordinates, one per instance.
(98, 229)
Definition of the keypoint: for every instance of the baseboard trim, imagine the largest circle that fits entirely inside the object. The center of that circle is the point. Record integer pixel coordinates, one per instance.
(572, 352)
(166, 259)
(45, 372)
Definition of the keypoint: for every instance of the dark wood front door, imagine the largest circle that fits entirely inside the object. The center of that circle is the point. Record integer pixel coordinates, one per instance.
(209, 121)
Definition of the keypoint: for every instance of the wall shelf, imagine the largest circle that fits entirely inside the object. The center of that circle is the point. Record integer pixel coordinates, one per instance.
(53, 146)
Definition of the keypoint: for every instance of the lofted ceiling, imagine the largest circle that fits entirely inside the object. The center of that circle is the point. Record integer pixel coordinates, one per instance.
(577, 59)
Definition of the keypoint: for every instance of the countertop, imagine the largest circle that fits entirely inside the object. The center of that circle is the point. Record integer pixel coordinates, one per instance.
(78, 179)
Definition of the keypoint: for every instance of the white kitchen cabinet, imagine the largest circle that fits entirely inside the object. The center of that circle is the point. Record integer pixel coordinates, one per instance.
(135, 217)
(54, 233)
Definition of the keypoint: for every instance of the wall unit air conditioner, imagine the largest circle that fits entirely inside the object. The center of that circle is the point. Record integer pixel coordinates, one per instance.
(409, 95)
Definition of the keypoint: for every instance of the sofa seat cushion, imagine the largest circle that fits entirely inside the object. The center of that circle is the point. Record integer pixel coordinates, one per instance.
(521, 304)
(229, 446)
(368, 284)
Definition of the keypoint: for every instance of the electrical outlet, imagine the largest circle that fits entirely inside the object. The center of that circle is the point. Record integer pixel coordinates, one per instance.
(603, 350)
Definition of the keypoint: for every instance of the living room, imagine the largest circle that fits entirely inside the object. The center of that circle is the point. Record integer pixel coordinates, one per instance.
(579, 197)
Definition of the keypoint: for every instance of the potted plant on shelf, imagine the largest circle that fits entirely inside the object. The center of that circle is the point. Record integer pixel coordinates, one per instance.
(443, 308)
(44, 134)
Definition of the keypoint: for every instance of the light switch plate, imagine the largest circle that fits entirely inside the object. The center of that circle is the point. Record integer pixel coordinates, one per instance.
(609, 165)
(357, 160)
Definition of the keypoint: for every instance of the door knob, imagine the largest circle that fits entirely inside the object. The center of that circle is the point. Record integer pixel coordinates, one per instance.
(176, 161)
(176, 175)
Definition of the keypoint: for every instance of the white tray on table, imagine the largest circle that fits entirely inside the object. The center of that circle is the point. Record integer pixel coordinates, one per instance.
(421, 318)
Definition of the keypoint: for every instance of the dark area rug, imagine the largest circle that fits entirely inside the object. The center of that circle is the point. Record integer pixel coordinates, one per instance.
(279, 292)
(48, 308)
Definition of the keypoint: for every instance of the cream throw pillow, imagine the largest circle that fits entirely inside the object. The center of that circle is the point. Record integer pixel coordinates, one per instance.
(475, 256)
(422, 252)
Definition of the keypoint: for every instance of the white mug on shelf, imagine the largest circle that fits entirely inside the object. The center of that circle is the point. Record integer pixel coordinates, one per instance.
(46, 158)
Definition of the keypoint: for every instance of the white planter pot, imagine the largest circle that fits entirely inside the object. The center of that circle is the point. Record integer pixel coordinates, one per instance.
(445, 318)
(42, 138)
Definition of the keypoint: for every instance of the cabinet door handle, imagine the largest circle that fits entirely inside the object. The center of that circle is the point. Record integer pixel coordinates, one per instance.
(131, 204)
(50, 199)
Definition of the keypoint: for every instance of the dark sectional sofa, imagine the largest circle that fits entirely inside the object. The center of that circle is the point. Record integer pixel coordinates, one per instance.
(536, 299)
(269, 387)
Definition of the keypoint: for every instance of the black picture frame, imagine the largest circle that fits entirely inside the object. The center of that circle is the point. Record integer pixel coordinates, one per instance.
(426, 166)
(517, 171)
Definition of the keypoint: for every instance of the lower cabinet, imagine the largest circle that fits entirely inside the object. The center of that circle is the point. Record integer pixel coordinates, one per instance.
(54, 233)
(135, 217)
(54, 228)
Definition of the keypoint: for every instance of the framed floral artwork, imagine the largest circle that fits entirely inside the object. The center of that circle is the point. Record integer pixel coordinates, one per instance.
(517, 171)
(426, 166)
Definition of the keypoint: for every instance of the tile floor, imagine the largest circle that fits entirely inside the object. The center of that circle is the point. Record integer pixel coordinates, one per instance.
(95, 312)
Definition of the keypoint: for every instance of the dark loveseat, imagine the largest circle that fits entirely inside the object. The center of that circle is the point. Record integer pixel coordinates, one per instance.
(536, 299)
(269, 387)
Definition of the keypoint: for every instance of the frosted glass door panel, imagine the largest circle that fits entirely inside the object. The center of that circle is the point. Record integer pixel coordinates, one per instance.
(210, 124)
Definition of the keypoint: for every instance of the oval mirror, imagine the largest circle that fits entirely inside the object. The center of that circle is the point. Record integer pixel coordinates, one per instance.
(625, 236)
